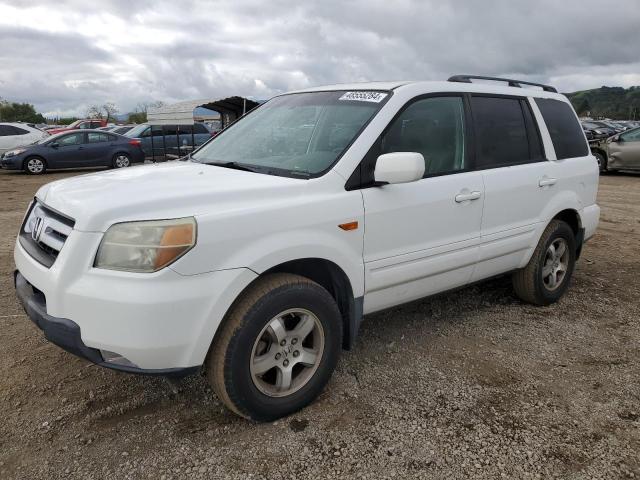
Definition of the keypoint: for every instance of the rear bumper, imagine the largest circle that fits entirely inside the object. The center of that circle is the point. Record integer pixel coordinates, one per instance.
(66, 334)
(590, 217)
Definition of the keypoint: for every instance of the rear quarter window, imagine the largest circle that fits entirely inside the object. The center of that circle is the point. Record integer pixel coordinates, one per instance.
(564, 129)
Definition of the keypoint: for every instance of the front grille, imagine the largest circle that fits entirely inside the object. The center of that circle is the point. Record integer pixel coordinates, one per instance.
(44, 233)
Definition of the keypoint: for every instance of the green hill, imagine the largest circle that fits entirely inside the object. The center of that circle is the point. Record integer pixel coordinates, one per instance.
(610, 102)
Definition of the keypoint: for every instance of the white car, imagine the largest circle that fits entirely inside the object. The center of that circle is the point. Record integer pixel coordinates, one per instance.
(256, 259)
(18, 134)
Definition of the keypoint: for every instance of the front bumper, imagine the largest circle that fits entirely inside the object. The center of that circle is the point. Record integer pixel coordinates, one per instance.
(66, 334)
(160, 322)
(11, 163)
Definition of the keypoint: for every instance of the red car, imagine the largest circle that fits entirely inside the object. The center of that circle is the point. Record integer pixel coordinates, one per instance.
(80, 124)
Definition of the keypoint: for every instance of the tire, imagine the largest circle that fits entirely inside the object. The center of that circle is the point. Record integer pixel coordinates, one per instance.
(121, 160)
(35, 166)
(239, 363)
(602, 161)
(534, 283)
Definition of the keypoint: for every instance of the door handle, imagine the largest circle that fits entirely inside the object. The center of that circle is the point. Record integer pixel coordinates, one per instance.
(466, 195)
(547, 182)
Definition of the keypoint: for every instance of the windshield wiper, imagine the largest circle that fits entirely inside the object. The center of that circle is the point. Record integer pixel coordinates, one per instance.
(233, 165)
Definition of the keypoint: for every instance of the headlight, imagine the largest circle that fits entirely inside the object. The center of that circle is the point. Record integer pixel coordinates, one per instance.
(146, 246)
(17, 151)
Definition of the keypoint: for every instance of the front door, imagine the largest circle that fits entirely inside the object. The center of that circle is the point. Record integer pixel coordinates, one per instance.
(422, 237)
(67, 151)
(625, 153)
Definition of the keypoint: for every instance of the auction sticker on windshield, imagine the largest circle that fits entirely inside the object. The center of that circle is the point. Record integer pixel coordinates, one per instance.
(375, 97)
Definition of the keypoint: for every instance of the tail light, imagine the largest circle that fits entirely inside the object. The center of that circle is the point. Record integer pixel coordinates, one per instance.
(135, 142)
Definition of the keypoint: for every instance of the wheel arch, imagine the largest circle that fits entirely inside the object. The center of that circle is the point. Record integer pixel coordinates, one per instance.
(572, 218)
(333, 279)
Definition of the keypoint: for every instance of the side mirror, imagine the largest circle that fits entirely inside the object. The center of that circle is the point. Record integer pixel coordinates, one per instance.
(54, 145)
(399, 167)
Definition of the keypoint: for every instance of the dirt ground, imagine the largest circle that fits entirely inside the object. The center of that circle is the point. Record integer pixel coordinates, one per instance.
(471, 384)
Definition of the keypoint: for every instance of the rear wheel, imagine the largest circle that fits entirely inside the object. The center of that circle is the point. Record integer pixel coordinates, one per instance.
(121, 160)
(35, 166)
(546, 277)
(277, 348)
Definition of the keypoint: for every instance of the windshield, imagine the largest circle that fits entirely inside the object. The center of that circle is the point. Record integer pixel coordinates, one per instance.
(136, 131)
(293, 134)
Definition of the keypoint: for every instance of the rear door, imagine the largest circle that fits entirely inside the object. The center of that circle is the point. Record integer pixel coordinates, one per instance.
(517, 178)
(422, 237)
(98, 149)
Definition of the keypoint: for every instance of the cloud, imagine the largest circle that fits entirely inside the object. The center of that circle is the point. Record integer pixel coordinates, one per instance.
(64, 55)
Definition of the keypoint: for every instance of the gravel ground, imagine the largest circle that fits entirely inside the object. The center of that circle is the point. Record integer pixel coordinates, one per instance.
(471, 384)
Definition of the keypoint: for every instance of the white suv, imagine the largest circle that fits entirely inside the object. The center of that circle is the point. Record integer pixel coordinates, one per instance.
(256, 258)
(17, 134)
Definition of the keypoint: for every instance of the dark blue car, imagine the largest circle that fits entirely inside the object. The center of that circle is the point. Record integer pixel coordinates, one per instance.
(77, 148)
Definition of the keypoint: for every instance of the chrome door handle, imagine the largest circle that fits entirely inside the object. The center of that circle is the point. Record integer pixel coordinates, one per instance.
(464, 196)
(547, 182)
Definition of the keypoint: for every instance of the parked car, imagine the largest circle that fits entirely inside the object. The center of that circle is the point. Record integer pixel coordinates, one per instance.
(161, 140)
(15, 134)
(79, 148)
(598, 129)
(619, 152)
(91, 123)
(258, 256)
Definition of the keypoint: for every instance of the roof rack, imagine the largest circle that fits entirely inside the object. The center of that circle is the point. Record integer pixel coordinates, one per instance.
(512, 83)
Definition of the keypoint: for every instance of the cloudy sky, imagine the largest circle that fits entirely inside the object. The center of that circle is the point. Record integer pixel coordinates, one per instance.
(64, 55)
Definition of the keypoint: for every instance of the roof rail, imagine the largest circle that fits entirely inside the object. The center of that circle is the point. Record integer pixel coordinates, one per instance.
(512, 83)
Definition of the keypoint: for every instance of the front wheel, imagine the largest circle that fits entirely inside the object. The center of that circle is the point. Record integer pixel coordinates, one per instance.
(121, 160)
(546, 277)
(277, 347)
(35, 166)
(602, 161)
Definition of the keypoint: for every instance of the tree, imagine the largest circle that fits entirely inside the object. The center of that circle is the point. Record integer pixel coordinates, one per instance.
(19, 112)
(108, 111)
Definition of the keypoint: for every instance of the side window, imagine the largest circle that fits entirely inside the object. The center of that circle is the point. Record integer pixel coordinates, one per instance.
(17, 130)
(433, 127)
(564, 129)
(170, 130)
(95, 137)
(500, 131)
(85, 125)
(5, 130)
(73, 139)
(631, 136)
(96, 124)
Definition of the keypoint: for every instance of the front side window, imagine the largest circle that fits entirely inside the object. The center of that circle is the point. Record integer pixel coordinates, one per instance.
(631, 136)
(564, 129)
(73, 139)
(433, 127)
(296, 134)
(500, 131)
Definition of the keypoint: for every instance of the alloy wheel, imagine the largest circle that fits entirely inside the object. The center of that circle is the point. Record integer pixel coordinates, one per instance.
(287, 352)
(556, 264)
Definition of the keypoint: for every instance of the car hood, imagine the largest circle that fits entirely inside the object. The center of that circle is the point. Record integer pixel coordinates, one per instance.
(161, 191)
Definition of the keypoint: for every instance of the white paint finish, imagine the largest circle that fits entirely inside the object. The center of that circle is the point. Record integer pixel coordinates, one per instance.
(418, 230)
(11, 142)
(399, 167)
(413, 239)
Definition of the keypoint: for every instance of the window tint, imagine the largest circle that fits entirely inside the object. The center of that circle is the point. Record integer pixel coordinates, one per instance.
(501, 134)
(73, 139)
(5, 130)
(94, 137)
(17, 130)
(564, 129)
(84, 125)
(96, 124)
(433, 127)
